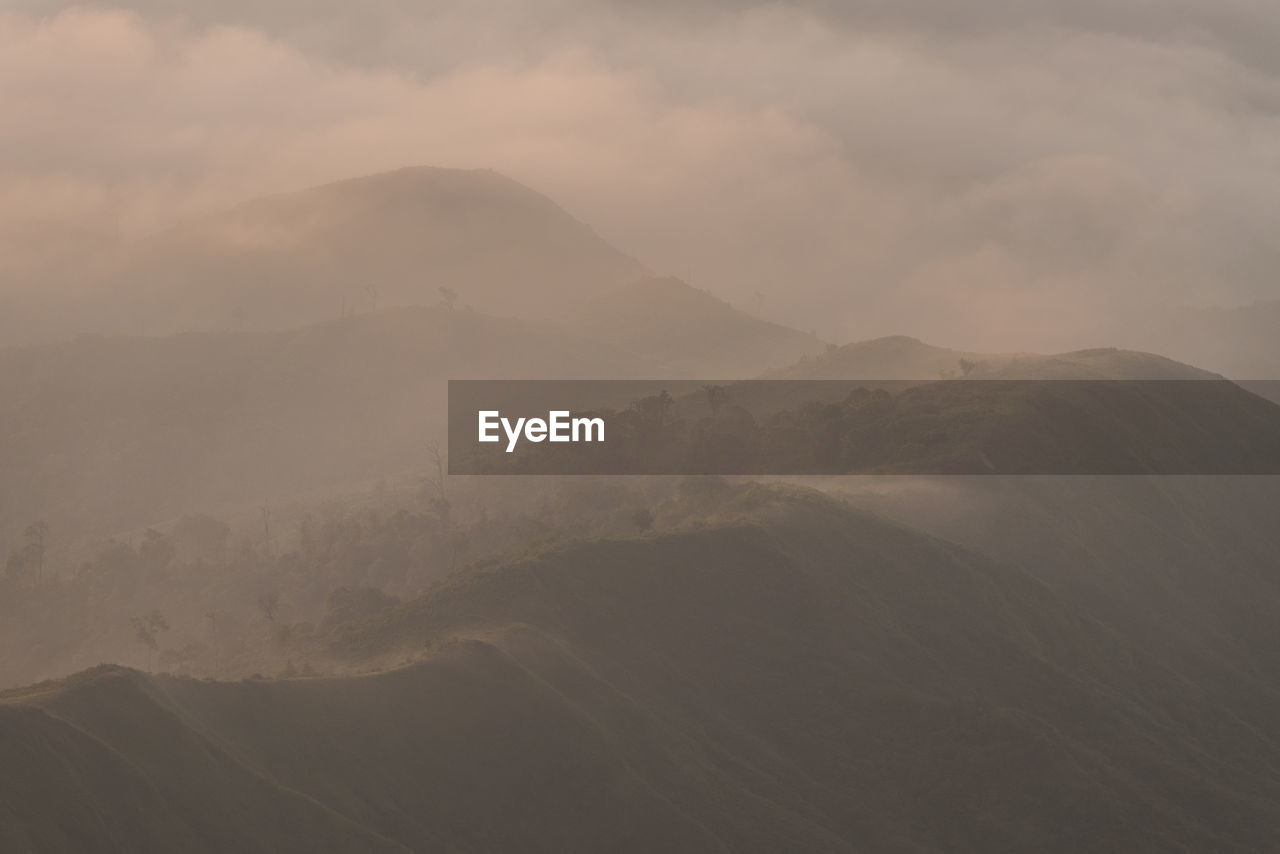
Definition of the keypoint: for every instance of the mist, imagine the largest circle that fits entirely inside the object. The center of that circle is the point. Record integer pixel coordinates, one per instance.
(1025, 176)
(865, 299)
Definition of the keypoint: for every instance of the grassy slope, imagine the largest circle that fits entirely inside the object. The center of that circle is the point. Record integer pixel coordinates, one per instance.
(798, 677)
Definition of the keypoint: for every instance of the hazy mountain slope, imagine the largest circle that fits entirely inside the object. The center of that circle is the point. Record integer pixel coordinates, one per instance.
(900, 357)
(897, 357)
(307, 256)
(1183, 566)
(942, 427)
(804, 678)
(103, 434)
(1242, 342)
(690, 332)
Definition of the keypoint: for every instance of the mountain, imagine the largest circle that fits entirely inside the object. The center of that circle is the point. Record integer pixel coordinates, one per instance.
(1239, 341)
(689, 332)
(792, 675)
(900, 357)
(106, 433)
(302, 257)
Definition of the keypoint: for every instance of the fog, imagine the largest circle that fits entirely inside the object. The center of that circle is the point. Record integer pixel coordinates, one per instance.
(251, 250)
(1016, 176)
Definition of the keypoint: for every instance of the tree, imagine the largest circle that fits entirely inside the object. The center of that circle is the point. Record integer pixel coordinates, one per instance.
(266, 527)
(16, 570)
(716, 396)
(643, 519)
(654, 409)
(269, 602)
(372, 292)
(37, 534)
(146, 628)
(157, 550)
(449, 295)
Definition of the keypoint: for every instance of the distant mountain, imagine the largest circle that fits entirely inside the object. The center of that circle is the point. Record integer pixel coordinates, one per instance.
(900, 357)
(792, 675)
(1242, 342)
(391, 239)
(107, 433)
(690, 332)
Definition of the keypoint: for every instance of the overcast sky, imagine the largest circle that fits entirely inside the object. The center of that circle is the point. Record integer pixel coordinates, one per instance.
(992, 173)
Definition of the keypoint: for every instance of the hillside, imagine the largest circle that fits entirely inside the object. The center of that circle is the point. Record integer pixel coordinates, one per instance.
(109, 433)
(795, 676)
(1239, 341)
(690, 332)
(900, 357)
(308, 256)
(985, 424)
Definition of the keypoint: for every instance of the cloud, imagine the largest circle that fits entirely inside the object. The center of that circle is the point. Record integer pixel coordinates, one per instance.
(996, 179)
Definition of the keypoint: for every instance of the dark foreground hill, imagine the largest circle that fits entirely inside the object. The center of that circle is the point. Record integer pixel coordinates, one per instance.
(794, 677)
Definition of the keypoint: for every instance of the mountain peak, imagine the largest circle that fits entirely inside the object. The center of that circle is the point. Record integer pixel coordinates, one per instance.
(395, 238)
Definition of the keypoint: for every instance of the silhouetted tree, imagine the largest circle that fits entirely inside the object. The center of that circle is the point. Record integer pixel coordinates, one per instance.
(37, 535)
(269, 603)
(716, 396)
(434, 490)
(146, 628)
(157, 550)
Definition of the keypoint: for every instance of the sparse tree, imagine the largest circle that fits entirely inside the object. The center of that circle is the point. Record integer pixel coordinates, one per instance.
(655, 408)
(266, 527)
(37, 536)
(434, 490)
(716, 396)
(269, 603)
(146, 629)
(157, 550)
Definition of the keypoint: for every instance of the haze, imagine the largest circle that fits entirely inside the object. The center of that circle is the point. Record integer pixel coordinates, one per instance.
(1038, 176)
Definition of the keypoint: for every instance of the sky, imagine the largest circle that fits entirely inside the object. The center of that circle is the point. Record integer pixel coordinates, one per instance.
(992, 174)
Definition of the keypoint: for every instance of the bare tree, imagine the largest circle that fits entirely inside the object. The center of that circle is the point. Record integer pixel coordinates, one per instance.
(146, 628)
(212, 617)
(266, 527)
(37, 534)
(435, 493)
(269, 602)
